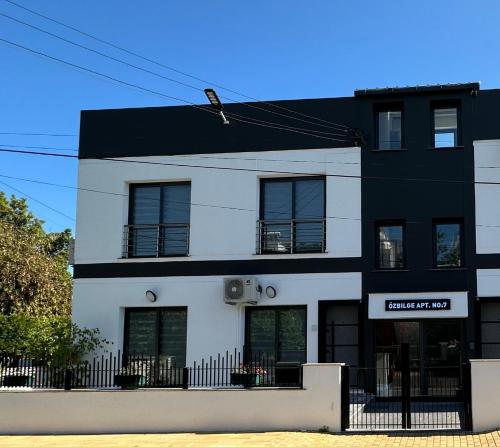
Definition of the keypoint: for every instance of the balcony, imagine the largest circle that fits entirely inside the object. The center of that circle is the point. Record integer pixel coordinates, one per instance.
(155, 241)
(291, 236)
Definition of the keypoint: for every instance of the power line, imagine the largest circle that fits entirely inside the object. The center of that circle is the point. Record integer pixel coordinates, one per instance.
(39, 147)
(138, 87)
(266, 171)
(136, 67)
(39, 134)
(38, 201)
(176, 70)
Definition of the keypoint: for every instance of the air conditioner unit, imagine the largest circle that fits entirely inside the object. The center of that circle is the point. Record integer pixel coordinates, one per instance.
(241, 290)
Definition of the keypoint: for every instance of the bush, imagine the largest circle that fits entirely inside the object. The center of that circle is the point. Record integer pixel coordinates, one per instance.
(52, 339)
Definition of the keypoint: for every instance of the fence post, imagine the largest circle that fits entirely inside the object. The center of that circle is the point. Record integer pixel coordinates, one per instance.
(344, 398)
(405, 385)
(467, 395)
(68, 375)
(185, 378)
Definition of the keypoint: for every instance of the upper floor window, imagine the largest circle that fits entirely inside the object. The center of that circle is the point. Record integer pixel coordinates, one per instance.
(390, 245)
(292, 216)
(159, 216)
(445, 126)
(389, 129)
(448, 249)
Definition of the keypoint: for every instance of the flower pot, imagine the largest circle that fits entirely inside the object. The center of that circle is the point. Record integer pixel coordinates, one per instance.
(245, 379)
(18, 380)
(127, 381)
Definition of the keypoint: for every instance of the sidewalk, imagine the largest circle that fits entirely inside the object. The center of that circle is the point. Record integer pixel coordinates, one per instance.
(278, 439)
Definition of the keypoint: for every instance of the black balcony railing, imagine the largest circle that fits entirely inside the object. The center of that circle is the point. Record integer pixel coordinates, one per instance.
(155, 241)
(291, 236)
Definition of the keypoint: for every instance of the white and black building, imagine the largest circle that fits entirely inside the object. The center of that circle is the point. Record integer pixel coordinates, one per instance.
(386, 232)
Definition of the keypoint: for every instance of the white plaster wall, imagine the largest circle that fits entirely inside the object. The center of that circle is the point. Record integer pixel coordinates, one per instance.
(485, 394)
(216, 233)
(213, 326)
(163, 411)
(488, 282)
(487, 169)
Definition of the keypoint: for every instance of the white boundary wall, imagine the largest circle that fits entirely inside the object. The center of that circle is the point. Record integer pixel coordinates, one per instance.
(173, 410)
(485, 381)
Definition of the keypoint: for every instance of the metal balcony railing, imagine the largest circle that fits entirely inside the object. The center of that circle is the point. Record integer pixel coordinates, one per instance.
(155, 241)
(291, 236)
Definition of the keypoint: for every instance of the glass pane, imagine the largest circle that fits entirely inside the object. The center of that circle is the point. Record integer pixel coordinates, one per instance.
(262, 331)
(390, 240)
(448, 245)
(176, 216)
(445, 127)
(292, 335)
(173, 330)
(146, 205)
(145, 213)
(310, 199)
(277, 200)
(389, 130)
(141, 333)
(443, 343)
(276, 230)
(309, 215)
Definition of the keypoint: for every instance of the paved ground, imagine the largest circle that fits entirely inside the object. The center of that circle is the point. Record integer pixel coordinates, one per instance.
(283, 439)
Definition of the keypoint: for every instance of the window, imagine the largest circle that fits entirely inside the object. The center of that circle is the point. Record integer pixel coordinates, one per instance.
(157, 332)
(277, 331)
(292, 216)
(158, 220)
(448, 244)
(490, 330)
(390, 246)
(445, 127)
(389, 129)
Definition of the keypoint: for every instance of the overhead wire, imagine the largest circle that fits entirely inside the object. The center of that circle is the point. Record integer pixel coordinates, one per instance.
(170, 68)
(154, 92)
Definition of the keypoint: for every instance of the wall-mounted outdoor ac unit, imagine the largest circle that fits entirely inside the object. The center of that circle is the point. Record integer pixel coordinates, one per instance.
(241, 290)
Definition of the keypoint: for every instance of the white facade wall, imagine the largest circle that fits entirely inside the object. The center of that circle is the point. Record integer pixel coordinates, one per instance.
(487, 169)
(216, 233)
(212, 326)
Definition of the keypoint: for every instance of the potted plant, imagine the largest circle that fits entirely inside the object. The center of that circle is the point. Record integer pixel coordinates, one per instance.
(247, 375)
(131, 376)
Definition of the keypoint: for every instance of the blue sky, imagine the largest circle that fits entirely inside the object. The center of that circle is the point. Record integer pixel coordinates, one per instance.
(268, 50)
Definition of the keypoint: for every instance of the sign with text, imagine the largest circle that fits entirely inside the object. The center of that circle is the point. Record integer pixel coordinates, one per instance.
(418, 304)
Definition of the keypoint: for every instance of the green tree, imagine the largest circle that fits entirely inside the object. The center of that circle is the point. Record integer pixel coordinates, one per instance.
(34, 277)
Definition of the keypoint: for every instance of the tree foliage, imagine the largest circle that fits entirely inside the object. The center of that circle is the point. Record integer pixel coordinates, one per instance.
(34, 277)
(52, 339)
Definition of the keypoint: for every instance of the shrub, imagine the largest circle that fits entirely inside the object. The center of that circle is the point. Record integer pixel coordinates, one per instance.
(52, 339)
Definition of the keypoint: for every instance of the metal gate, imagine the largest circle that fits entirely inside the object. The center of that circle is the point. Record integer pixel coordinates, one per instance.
(403, 397)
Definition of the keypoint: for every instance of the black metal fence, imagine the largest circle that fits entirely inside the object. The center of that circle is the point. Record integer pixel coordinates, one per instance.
(229, 370)
(423, 398)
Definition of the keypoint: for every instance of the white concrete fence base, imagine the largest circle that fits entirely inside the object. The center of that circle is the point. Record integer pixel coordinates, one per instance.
(315, 406)
(485, 390)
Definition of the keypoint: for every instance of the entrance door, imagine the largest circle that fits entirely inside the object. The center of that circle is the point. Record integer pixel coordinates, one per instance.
(435, 353)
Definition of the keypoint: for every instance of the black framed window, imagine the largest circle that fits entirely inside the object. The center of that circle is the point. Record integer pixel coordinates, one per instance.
(448, 243)
(389, 127)
(390, 245)
(159, 332)
(445, 126)
(159, 217)
(490, 330)
(292, 215)
(279, 331)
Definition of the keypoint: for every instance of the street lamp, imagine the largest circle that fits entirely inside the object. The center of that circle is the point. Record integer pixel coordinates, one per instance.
(216, 103)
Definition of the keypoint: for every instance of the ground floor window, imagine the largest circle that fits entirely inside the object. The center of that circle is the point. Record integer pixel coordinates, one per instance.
(279, 332)
(490, 330)
(157, 332)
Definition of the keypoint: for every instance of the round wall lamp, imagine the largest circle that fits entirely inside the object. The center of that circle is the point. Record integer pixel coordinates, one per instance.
(271, 292)
(150, 296)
